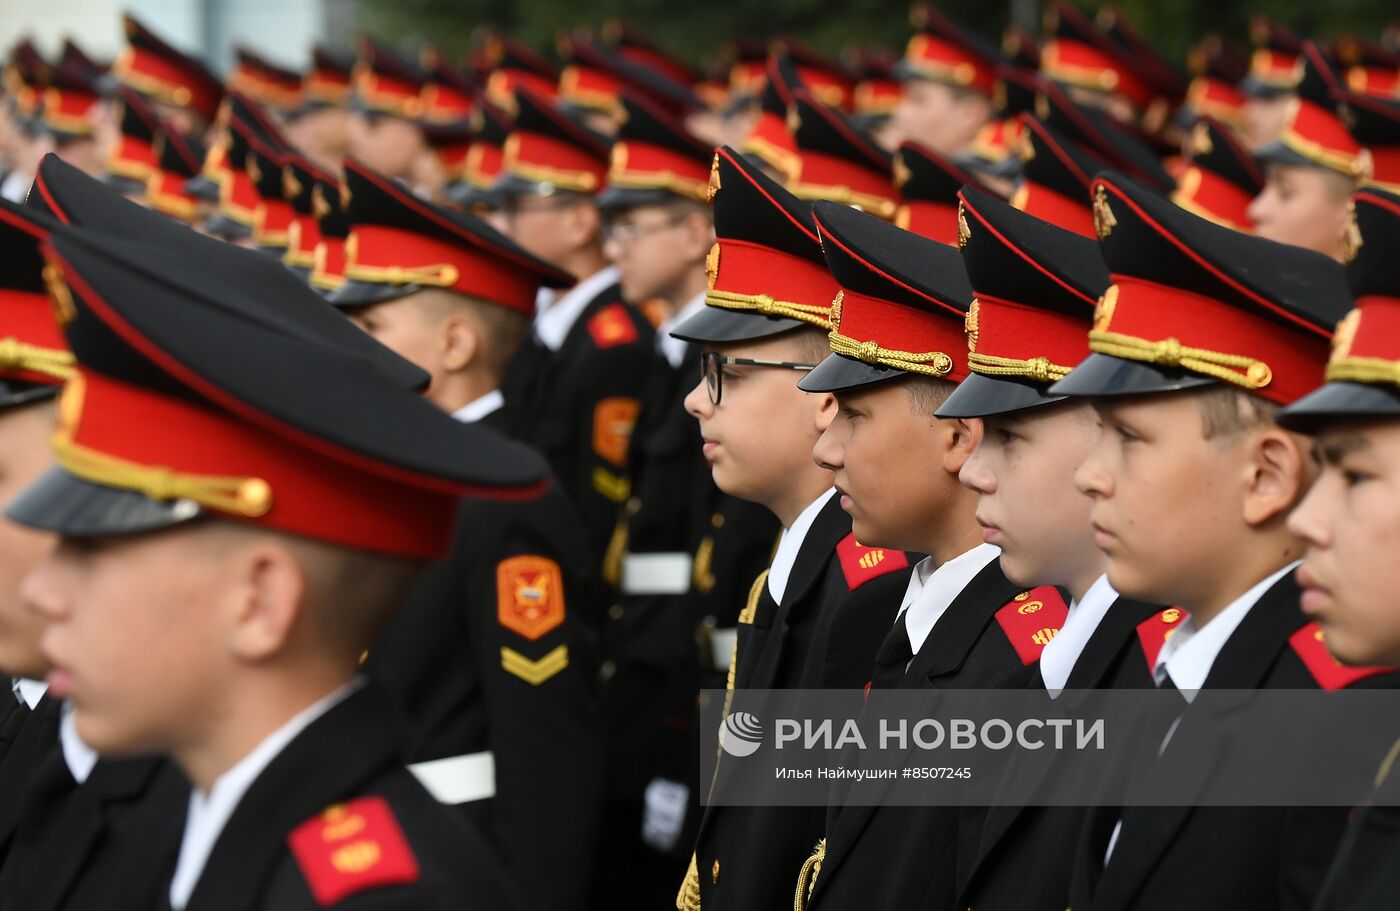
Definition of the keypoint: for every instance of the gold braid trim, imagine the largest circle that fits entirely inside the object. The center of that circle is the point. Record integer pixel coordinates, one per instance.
(807, 877)
(1039, 369)
(442, 275)
(929, 363)
(578, 181)
(16, 355)
(1171, 353)
(764, 305)
(250, 497)
(1363, 370)
(688, 898)
(745, 616)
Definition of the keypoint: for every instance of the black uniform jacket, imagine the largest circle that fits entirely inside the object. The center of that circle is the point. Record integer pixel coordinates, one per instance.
(494, 652)
(824, 635)
(1219, 857)
(110, 842)
(336, 821)
(880, 856)
(583, 402)
(1025, 855)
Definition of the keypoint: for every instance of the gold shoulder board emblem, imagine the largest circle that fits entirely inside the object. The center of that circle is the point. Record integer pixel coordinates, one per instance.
(1104, 220)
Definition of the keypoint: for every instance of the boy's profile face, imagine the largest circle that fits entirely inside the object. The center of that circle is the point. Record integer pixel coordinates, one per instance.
(1306, 207)
(890, 459)
(1350, 520)
(1023, 473)
(407, 329)
(134, 635)
(1166, 500)
(655, 246)
(759, 437)
(26, 451)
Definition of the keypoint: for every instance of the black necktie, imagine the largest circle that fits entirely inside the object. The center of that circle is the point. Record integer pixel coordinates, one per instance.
(893, 657)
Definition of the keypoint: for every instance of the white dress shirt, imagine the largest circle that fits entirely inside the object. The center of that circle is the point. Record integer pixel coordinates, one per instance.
(16, 186)
(931, 590)
(30, 691)
(209, 812)
(673, 349)
(790, 543)
(78, 756)
(1059, 657)
(479, 408)
(556, 313)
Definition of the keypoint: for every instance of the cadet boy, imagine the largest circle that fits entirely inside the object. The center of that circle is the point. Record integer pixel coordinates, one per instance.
(898, 352)
(1036, 288)
(1348, 520)
(245, 505)
(581, 379)
(686, 555)
(816, 617)
(1311, 169)
(1203, 336)
(491, 657)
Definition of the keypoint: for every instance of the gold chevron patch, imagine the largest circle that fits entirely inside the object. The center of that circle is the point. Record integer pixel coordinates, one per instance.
(535, 672)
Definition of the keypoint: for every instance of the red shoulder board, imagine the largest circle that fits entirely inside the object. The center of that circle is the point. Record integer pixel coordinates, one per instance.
(861, 564)
(612, 326)
(351, 847)
(1154, 632)
(1329, 673)
(1031, 619)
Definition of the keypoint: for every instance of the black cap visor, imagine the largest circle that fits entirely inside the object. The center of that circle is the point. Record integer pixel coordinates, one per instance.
(715, 325)
(14, 393)
(363, 294)
(837, 373)
(1340, 402)
(983, 396)
(1102, 375)
(65, 504)
(221, 226)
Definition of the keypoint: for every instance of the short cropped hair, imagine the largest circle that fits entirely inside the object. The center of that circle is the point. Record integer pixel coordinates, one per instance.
(928, 393)
(1226, 411)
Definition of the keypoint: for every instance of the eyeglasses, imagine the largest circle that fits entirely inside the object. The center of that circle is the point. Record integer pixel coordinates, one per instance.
(626, 232)
(712, 361)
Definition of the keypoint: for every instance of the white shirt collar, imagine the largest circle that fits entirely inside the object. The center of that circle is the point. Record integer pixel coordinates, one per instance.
(790, 543)
(209, 813)
(556, 313)
(1059, 657)
(479, 408)
(16, 186)
(30, 691)
(1191, 651)
(673, 349)
(78, 756)
(931, 590)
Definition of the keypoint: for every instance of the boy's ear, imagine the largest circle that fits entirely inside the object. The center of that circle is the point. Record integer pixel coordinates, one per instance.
(460, 340)
(267, 600)
(1279, 473)
(963, 436)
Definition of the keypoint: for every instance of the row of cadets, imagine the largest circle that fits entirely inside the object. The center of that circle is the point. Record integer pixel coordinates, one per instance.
(818, 613)
(897, 355)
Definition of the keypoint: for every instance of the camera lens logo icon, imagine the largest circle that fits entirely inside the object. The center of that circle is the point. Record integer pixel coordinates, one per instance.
(741, 734)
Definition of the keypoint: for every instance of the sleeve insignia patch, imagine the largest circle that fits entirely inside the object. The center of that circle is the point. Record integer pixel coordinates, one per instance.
(535, 672)
(860, 564)
(529, 595)
(1330, 674)
(613, 422)
(612, 326)
(1154, 632)
(1031, 619)
(352, 847)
